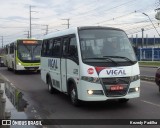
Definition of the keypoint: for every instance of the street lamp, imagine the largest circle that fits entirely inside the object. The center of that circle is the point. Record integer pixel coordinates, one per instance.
(142, 37)
(151, 22)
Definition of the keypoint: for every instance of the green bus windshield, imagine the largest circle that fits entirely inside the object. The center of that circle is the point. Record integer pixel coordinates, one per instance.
(29, 50)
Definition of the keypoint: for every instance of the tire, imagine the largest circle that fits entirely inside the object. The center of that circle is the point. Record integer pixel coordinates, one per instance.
(8, 69)
(74, 95)
(50, 87)
(38, 71)
(14, 70)
(123, 100)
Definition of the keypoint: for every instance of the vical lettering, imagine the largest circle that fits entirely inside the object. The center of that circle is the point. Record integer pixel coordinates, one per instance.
(116, 72)
(52, 63)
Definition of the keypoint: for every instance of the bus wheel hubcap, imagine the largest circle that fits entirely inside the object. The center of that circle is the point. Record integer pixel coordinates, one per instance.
(49, 87)
(73, 95)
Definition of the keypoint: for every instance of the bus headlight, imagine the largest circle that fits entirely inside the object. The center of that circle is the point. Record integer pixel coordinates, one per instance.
(19, 63)
(136, 89)
(134, 78)
(95, 92)
(90, 92)
(91, 79)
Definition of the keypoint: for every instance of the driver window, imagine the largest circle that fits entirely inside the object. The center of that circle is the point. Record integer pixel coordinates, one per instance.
(73, 52)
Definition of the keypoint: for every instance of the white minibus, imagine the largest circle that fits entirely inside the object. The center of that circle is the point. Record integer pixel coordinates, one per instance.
(90, 63)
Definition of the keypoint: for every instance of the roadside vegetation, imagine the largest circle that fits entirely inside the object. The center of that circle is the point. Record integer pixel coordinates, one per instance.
(149, 63)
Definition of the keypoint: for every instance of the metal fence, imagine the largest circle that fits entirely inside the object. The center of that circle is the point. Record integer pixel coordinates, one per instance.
(3, 113)
(148, 54)
(9, 92)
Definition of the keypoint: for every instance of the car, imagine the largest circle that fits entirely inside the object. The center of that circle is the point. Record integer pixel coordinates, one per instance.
(1, 61)
(157, 78)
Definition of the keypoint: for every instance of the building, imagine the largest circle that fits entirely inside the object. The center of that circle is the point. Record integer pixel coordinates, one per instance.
(148, 49)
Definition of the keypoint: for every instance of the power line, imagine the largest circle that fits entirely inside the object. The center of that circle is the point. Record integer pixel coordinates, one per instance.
(46, 29)
(85, 13)
(67, 22)
(137, 31)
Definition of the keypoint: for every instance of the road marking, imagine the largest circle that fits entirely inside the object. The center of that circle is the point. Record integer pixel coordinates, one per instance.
(5, 78)
(150, 103)
(149, 83)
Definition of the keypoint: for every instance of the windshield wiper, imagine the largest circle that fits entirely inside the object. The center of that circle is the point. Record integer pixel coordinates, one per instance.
(102, 58)
(125, 58)
(35, 47)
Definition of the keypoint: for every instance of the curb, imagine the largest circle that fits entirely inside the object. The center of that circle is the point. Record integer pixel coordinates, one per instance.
(149, 66)
(148, 78)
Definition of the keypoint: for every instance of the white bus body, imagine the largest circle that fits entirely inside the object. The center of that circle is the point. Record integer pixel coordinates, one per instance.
(73, 62)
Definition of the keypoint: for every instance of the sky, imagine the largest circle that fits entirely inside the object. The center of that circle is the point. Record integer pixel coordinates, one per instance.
(123, 14)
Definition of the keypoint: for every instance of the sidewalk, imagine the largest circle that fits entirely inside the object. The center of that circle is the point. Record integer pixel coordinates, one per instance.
(9, 107)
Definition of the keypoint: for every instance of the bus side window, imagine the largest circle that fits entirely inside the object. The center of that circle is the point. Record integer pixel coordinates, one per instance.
(44, 48)
(73, 52)
(65, 47)
(56, 48)
(50, 48)
(12, 48)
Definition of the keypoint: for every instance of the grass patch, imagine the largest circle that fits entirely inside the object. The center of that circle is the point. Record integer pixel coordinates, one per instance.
(149, 63)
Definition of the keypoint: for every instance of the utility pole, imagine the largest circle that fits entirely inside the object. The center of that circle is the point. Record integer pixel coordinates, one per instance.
(46, 29)
(2, 40)
(27, 34)
(30, 20)
(146, 40)
(30, 23)
(67, 22)
(142, 37)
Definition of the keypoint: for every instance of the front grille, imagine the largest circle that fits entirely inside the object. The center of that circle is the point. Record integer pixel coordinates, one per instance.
(31, 68)
(117, 81)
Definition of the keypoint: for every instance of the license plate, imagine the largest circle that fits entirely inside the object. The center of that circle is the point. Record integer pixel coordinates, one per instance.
(31, 68)
(116, 88)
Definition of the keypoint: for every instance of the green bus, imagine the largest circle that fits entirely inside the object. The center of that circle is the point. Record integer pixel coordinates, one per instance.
(23, 54)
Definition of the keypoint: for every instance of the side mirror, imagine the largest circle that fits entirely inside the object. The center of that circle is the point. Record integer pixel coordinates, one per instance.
(135, 49)
(15, 48)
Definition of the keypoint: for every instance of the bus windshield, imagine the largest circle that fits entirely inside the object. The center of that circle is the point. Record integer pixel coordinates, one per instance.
(29, 51)
(108, 44)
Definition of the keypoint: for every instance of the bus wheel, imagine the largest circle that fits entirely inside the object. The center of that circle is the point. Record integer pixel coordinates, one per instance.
(73, 95)
(38, 71)
(123, 100)
(15, 71)
(50, 88)
(8, 69)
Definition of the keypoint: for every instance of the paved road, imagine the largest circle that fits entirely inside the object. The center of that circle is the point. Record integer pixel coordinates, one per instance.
(145, 71)
(58, 106)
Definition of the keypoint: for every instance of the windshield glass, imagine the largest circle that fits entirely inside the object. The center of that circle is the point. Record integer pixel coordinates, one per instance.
(29, 51)
(102, 43)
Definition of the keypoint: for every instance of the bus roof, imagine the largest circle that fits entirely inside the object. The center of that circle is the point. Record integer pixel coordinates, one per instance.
(75, 29)
(28, 39)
